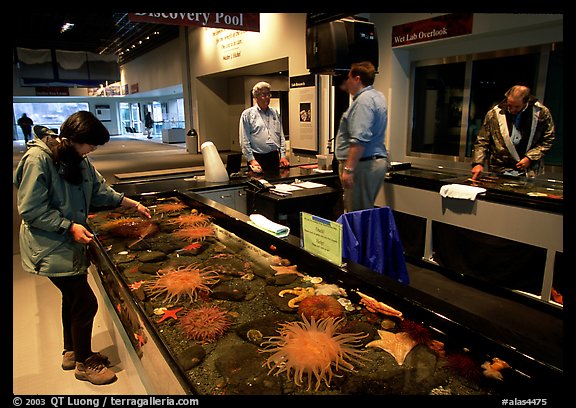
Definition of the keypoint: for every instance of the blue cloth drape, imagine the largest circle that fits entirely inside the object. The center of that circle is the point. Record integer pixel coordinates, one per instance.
(370, 238)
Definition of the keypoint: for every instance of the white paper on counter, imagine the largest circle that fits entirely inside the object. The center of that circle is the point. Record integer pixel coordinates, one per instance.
(286, 188)
(308, 184)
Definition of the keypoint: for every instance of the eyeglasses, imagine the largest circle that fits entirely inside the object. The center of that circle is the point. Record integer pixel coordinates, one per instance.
(265, 94)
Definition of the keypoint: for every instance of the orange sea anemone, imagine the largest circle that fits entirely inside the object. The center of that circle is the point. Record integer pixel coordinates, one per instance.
(169, 207)
(312, 348)
(320, 306)
(184, 281)
(130, 227)
(194, 218)
(205, 324)
(198, 232)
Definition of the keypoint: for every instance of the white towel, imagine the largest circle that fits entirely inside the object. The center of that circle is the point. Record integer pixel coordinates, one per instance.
(258, 220)
(461, 191)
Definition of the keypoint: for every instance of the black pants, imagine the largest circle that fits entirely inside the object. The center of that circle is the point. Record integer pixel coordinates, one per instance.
(270, 162)
(79, 306)
(27, 132)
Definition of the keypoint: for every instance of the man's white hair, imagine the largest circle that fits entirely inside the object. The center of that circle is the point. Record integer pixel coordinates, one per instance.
(258, 88)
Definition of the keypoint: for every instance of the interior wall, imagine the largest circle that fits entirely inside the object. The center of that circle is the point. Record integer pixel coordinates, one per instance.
(490, 32)
(224, 53)
(160, 68)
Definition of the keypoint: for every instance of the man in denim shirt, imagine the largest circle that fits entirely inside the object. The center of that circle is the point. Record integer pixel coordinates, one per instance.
(360, 145)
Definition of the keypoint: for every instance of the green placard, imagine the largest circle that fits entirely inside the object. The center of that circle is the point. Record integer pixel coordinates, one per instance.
(322, 237)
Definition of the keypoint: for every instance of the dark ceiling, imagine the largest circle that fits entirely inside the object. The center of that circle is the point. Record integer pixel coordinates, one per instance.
(97, 32)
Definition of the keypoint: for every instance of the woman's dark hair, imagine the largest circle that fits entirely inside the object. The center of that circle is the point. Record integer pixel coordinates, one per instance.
(84, 127)
(80, 127)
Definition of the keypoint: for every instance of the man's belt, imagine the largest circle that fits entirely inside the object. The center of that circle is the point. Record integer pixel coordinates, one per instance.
(367, 158)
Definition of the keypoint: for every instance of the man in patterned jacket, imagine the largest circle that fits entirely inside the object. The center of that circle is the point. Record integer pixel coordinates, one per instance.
(515, 136)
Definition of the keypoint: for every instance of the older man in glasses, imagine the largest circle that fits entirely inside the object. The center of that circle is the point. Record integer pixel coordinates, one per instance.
(261, 134)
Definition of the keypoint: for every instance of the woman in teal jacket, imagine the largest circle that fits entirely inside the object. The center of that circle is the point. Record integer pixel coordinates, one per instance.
(57, 185)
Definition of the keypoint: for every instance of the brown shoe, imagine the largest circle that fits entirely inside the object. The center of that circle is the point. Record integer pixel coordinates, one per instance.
(95, 371)
(69, 361)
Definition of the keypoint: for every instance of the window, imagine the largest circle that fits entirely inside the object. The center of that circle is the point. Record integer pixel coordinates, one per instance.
(451, 97)
(438, 99)
(47, 114)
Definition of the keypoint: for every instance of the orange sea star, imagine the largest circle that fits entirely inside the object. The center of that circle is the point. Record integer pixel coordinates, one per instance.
(286, 270)
(397, 344)
(372, 305)
(300, 293)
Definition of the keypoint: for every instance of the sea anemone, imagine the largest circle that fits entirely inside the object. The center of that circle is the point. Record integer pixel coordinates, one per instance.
(462, 364)
(184, 281)
(194, 218)
(169, 207)
(311, 348)
(130, 227)
(416, 331)
(198, 232)
(205, 324)
(320, 307)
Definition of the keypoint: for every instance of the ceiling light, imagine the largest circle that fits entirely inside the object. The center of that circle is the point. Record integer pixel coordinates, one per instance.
(66, 27)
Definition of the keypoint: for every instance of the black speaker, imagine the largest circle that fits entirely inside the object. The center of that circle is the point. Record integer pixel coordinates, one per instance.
(333, 46)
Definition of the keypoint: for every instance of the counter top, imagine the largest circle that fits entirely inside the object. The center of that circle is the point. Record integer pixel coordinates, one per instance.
(545, 192)
(194, 180)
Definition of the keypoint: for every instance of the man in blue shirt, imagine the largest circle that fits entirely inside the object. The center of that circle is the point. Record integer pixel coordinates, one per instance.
(261, 134)
(360, 149)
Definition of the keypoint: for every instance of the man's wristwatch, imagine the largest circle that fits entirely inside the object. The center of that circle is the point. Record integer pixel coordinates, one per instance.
(348, 170)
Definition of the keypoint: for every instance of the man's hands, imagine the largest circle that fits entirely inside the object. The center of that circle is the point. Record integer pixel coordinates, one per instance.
(477, 171)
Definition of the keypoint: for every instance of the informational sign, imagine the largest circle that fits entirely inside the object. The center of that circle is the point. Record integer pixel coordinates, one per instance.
(448, 25)
(304, 135)
(52, 91)
(322, 237)
(233, 21)
(103, 112)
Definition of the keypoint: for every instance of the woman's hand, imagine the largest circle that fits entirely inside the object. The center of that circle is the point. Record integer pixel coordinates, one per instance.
(80, 233)
(143, 210)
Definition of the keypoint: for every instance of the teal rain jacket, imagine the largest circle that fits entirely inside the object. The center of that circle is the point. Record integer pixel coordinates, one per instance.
(48, 205)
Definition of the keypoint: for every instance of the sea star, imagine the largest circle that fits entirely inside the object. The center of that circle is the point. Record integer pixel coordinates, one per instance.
(194, 245)
(397, 344)
(286, 270)
(135, 285)
(140, 339)
(170, 313)
(372, 305)
(300, 293)
(492, 370)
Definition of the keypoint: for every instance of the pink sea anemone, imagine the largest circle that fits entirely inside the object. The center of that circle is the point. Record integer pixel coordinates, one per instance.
(183, 281)
(312, 348)
(205, 324)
